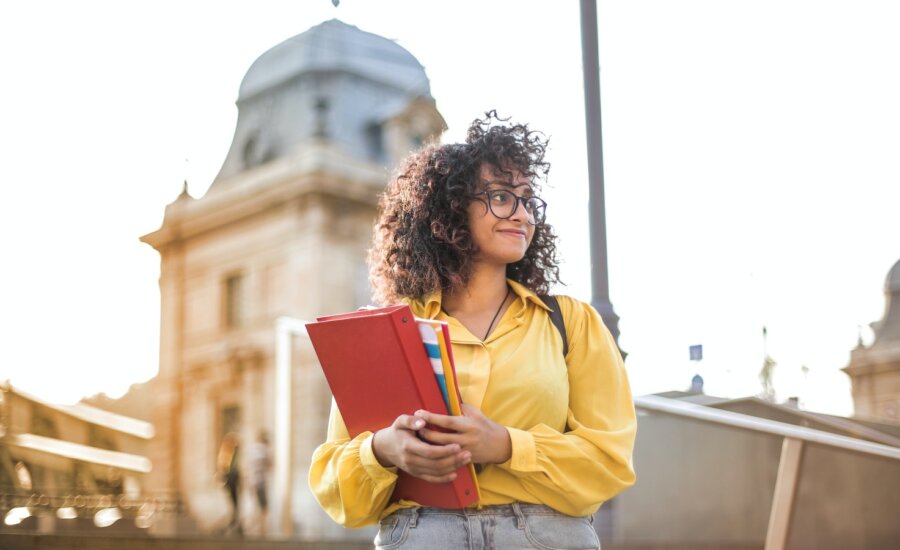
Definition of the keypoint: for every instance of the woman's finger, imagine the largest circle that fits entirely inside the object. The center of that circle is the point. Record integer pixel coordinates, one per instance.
(418, 465)
(428, 451)
(408, 422)
(453, 423)
(469, 410)
(438, 479)
(439, 438)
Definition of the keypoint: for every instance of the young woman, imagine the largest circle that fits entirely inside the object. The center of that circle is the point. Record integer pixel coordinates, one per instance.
(462, 238)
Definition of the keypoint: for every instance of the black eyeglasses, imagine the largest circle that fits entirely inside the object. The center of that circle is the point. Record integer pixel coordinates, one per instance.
(504, 203)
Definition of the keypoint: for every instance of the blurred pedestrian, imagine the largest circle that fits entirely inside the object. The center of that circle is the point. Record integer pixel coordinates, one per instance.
(259, 461)
(229, 474)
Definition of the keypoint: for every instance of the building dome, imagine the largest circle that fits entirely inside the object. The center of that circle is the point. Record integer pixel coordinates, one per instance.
(892, 283)
(336, 84)
(887, 330)
(336, 46)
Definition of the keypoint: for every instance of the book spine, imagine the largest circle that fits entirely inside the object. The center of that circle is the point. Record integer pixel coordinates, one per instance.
(417, 360)
(432, 336)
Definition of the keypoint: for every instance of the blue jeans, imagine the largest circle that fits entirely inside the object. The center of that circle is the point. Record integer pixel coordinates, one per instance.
(505, 527)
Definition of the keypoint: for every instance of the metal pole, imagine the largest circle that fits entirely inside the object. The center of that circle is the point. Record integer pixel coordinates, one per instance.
(596, 203)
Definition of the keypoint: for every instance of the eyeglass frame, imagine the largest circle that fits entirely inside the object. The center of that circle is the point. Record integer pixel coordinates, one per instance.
(518, 200)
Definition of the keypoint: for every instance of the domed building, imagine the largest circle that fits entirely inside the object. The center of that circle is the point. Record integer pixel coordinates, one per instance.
(281, 235)
(361, 93)
(875, 370)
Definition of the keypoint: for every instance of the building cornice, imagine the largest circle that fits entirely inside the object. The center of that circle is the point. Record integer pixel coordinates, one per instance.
(873, 360)
(298, 173)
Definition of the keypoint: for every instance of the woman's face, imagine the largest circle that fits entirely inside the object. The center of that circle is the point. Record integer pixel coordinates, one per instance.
(500, 241)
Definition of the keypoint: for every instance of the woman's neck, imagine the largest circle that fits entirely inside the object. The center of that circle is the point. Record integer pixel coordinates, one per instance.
(486, 288)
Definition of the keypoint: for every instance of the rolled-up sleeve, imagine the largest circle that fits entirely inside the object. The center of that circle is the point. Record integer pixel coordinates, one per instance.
(346, 478)
(575, 471)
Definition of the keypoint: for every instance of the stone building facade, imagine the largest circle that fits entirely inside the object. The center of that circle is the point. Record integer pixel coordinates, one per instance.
(282, 231)
(875, 370)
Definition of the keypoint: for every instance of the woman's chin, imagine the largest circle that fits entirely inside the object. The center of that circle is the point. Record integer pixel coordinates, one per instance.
(501, 259)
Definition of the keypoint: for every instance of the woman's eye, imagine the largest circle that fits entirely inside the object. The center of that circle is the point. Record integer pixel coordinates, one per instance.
(499, 197)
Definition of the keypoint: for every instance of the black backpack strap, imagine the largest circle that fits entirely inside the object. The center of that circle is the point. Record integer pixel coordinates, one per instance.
(557, 319)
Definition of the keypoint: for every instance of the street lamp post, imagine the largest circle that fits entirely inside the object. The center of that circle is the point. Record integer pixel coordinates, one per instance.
(596, 202)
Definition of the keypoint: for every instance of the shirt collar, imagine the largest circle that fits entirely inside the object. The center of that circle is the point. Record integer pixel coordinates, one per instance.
(525, 294)
(430, 305)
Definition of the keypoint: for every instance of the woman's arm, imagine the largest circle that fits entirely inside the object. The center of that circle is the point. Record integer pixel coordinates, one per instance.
(346, 478)
(575, 471)
(591, 462)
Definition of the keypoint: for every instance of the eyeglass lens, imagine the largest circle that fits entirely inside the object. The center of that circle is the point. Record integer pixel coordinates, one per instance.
(503, 204)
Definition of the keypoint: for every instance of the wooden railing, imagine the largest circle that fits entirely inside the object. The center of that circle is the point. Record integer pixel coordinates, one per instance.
(795, 437)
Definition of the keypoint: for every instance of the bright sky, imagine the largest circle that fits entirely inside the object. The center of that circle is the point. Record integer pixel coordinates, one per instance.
(750, 156)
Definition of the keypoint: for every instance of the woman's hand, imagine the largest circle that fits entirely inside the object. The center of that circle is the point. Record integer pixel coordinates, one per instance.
(487, 441)
(398, 445)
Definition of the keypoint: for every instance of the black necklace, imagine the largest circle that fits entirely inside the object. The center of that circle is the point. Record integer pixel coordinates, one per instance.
(490, 326)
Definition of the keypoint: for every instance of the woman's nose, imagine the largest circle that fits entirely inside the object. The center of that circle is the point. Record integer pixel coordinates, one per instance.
(520, 214)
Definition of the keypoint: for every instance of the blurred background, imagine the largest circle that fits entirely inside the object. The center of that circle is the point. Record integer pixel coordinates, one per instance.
(181, 175)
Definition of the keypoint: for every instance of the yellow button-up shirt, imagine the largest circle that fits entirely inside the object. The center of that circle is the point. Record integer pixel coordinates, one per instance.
(571, 421)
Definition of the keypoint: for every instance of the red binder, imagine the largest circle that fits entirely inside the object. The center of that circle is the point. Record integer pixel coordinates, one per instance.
(377, 368)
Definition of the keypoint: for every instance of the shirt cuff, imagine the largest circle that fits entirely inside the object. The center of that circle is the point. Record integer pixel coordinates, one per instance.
(370, 463)
(524, 452)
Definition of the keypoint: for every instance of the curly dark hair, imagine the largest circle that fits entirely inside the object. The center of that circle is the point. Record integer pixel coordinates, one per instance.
(422, 241)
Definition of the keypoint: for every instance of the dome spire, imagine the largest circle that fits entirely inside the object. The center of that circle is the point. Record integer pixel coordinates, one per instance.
(184, 188)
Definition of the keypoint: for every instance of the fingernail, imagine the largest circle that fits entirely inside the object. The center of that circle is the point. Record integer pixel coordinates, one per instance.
(418, 424)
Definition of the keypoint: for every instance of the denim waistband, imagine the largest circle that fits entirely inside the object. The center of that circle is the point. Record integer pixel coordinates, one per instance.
(517, 509)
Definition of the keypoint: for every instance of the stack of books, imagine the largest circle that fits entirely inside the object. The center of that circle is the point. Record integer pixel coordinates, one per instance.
(382, 363)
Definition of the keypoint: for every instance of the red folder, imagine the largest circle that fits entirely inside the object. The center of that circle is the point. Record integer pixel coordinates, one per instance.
(377, 368)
